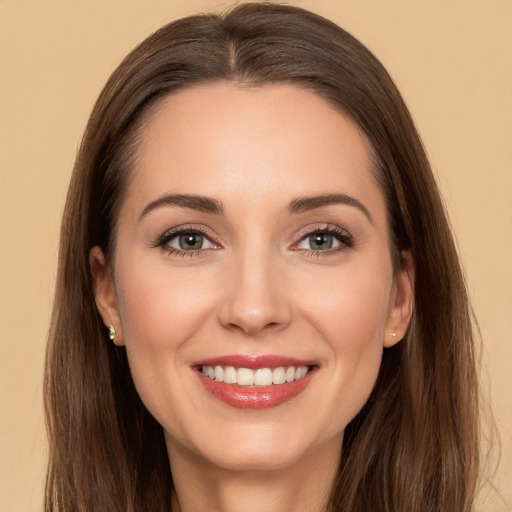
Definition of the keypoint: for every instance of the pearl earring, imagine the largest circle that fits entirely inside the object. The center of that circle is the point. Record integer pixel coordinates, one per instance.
(112, 333)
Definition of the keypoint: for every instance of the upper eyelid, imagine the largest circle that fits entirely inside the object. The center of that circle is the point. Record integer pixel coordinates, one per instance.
(322, 227)
(178, 230)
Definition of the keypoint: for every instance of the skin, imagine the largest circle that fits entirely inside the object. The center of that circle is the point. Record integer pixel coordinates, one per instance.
(257, 287)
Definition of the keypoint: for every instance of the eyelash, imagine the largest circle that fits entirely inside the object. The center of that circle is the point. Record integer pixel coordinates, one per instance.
(164, 239)
(346, 241)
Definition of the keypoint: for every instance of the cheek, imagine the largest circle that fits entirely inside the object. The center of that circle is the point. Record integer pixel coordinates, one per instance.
(160, 305)
(350, 315)
(160, 310)
(350, 307)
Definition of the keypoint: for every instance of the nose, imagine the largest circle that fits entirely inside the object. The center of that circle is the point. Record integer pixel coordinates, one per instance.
(255, 302)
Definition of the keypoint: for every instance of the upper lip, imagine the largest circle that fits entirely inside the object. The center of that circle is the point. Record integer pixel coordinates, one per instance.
(254, 362)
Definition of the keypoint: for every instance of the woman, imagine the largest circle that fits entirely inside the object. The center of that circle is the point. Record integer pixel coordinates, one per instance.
(259, 303)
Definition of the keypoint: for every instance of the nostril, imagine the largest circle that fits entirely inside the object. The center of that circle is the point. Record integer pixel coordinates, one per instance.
(255, 328)
(253, 308)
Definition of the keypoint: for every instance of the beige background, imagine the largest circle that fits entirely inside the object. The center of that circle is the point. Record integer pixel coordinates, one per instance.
(452, 60)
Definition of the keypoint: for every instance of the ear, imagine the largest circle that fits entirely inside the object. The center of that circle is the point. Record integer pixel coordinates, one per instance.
(401, 303)
(104, 292)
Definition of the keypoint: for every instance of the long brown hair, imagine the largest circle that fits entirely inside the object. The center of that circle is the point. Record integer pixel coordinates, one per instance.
(414, 445)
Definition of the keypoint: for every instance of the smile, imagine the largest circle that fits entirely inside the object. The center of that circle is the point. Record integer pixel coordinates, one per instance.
(259, 377)
(260, 382)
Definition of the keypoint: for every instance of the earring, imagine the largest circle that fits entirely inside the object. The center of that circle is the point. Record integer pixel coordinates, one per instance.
(393, 334)
(112, 333)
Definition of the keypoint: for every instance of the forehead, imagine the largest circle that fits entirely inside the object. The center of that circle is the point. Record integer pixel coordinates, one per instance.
(257, 143)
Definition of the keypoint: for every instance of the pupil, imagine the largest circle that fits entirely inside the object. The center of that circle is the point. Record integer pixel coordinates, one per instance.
(191, 241)
(321, 241)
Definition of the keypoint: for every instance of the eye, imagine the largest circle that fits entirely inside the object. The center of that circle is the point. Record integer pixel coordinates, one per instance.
(327, 240)
(190, 241)
(319, 241)
(185, 241)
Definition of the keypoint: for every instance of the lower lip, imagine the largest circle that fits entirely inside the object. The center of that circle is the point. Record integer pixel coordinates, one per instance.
(243, 397)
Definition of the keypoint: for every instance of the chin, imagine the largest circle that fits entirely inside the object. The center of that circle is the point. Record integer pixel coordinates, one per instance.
(257, 448)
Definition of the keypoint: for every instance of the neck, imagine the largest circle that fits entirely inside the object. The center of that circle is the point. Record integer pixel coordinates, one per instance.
(305, 486)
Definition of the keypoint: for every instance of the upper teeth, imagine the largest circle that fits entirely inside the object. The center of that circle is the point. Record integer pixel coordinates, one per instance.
(259, 377)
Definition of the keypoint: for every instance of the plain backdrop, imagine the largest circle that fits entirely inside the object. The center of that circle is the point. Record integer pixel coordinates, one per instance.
(452, 60)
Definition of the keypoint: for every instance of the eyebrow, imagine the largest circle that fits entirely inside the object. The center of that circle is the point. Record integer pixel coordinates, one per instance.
(214, 206)
(193, 202)
(303, 204)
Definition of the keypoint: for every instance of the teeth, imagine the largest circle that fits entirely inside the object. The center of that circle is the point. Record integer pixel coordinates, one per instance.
(245, 377)
(263, 377)
(219, 373)
(279, 376)
(229, 375)
(259, 377)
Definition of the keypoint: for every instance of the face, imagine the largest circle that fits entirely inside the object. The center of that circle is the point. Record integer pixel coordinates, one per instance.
(252, 282)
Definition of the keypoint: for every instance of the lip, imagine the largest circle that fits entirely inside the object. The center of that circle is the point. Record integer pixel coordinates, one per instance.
(254, 362)
(253, 397)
